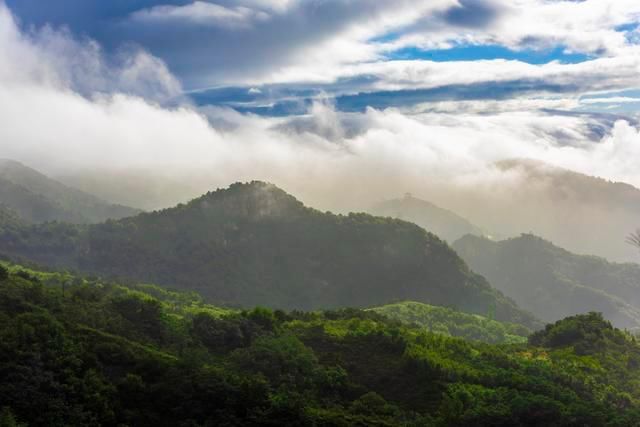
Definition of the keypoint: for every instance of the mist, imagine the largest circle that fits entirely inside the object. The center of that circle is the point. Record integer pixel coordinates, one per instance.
(103, 123)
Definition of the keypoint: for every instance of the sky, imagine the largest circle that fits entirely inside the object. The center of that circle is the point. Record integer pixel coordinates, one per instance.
(293, 51)
(357, 98)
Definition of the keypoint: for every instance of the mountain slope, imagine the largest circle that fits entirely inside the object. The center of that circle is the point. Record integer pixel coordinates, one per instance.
(441, 222)
(37, 198)
(455, 323)
(9, 220)
(554, 283)
(582, 213)
(253, 244)
(78, 352)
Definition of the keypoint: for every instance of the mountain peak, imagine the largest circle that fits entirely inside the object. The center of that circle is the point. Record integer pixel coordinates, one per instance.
(441, 222)
(254, 199)
(588, 333)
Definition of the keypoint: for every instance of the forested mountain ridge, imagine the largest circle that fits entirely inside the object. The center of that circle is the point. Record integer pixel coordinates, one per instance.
(254, 244)
(441, 222)
(554, 283)
(447, 321)
(37, 198)
(75, 351)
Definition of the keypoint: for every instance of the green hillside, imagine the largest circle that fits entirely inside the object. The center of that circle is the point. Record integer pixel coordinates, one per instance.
(75, 351)
(253, 244)
(451, 322)
(441, 222)
(37, 198)
(553, 283)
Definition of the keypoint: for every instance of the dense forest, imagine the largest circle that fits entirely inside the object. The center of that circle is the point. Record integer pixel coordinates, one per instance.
(81, 351)
(253, 244)
(553, 283)
(448, 321)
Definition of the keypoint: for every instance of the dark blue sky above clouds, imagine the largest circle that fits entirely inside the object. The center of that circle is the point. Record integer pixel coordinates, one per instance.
(199, 47)
(316, 48)
(293, 51)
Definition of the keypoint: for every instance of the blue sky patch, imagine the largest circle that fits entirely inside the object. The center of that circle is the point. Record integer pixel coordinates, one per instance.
(488, 52)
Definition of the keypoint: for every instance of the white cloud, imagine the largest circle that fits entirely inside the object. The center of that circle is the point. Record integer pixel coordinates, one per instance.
(273, 35)
(202, 13)
(355, 34)
(588, 26)
(56, 59)
(228, 42)
(594, 75)
(490, 106)
(53, 122)
(65, 115)
(579, 27)
(610, 100)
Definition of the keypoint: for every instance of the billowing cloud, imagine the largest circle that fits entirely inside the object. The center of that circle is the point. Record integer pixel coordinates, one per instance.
(70, 108)
(55, 58)
(231, 42)
(207, 43)
(98, 121)
(201, 13)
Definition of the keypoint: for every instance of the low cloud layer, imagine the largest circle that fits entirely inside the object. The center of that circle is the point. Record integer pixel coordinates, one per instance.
(65, 105)
(70, 109)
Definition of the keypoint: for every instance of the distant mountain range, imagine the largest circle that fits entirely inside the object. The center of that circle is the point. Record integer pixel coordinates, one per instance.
(554, 283)
(439, 221)
(581, 213)
(254, 244)
(36, 198)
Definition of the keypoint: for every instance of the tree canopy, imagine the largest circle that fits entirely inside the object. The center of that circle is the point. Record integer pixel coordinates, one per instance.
(104, 353)
(254, 244)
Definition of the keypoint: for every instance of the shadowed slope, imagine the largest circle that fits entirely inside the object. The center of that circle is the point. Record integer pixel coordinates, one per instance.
(254, 244)
(554, 283)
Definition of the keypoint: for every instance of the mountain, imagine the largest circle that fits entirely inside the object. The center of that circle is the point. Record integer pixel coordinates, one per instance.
(447, 321)
(37, 198)
(554, 283)
(441, 222)
(254, 244)
(79, 352)
(582, 213)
